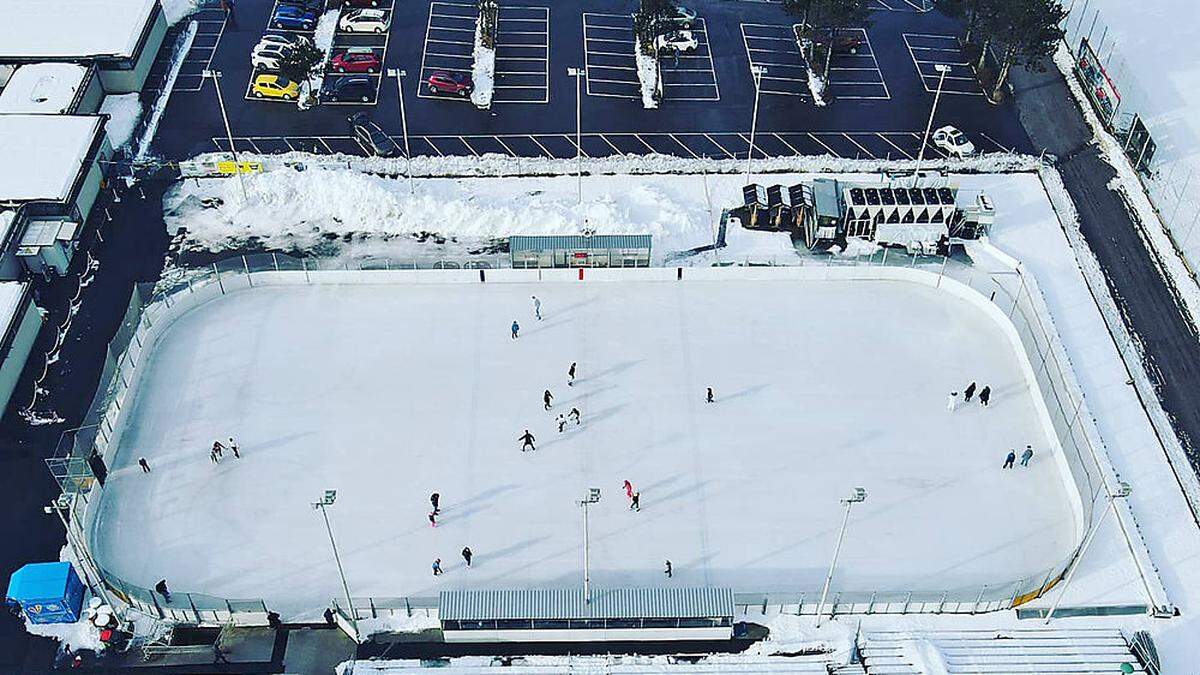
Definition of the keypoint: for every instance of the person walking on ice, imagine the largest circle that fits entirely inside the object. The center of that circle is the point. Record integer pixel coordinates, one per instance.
(628, 490)
(516, 330)
(571, 375)
(1008, 461)
(562, 423)
(145, 466)
(434, 499)
(527, 441)
(218, 449)
(466, 554)
(161, 587)
(546, 398)
(433, 519)
(709, 396)
(952, 401)
(214, 456)
(537, 307)
(985, 395)
(233, 447)
(668, 571)
(1027, 455)
(437, 566)
(970, 391)
(574, 415)
(635, 502)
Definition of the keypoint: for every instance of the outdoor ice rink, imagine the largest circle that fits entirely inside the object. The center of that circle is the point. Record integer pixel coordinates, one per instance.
(388, 392)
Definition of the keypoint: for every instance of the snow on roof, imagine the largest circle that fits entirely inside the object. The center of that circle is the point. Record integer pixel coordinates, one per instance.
(41, 155)
(11, 293)
(42, 88)
(84, 28)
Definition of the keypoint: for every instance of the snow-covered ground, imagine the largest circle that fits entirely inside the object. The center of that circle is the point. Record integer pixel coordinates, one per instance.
(124, 111)
(414, 388)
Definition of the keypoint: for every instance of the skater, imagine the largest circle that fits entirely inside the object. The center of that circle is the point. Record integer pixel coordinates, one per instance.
(218, 449)
(969, 392)
(574, 415)
(434, 499)
(233, 447)
(562, 423)
(433, 519)
(571, 375)
(537, 308)
(329, 617)
(527, 441)
(516, 330)
(1027, 455)
(669, 571)
(437, 567)
(546, 398)
(709, 398)
(214, 457)
(984, 395)
(466, 554)
(635, 503)
(1008, 461)
(628, 490)
(145, 466)
(161, 587)
(952, 401)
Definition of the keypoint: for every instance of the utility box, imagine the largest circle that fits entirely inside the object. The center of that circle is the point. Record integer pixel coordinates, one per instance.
(48, 246)
(47, 592)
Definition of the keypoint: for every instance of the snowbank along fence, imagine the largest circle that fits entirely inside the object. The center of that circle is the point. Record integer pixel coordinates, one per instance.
(1011, 297)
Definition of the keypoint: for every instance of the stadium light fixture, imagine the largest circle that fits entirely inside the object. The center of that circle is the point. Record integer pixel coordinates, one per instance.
(592, 497)
(941, 69)
(578, 74)
(78, 551)
(856, 496)
(400, 74)
(1122, 492)
(757, 72)
(321, 505)
(215, 76)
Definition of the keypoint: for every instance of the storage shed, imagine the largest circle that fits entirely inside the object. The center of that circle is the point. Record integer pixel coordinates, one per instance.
(580, 250)
(48, 592)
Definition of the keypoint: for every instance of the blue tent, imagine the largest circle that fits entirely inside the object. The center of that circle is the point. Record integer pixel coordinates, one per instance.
(47, 592)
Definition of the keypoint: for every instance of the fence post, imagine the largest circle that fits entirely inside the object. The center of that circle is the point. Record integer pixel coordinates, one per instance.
(371, 602)
(220, 284)
(246, 266)
(275, 260)
(304, 265)
(871, 602)
(407, 606)
(942, 602)
(907, 600)
(979, 599)
(943, 272)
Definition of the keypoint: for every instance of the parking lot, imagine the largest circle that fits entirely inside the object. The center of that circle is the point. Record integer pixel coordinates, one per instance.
(210, 25)
(856, 76)
(773, 48)
(930, 50)
(611, 69)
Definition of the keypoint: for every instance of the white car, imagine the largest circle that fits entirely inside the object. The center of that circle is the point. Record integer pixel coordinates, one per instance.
(279, 40)
(679, 40)
(266, 56)
(953, 142)
(364, 21)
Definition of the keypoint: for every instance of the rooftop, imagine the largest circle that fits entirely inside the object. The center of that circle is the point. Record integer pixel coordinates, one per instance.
(41, 155)
(617, 603)
(43, 88)
(84, 29)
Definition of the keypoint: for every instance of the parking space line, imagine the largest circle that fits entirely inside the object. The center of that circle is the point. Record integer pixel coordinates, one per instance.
(852, 89)
(789, 145)
(579, 146)
(859, 146)
(506, 148)
(822, 144)
(899, 149)
(506, 45)
(714, 142)
(592, 26)
(929, 147)
(689, 150)
(615, 148)
(539, 144)
(785, 55)
(955, 58)
(997, 143)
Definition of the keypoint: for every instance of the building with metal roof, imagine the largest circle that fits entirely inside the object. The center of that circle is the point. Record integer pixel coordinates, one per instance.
(580, 250)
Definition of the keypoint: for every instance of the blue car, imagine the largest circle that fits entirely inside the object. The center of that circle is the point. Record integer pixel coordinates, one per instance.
(292, 17)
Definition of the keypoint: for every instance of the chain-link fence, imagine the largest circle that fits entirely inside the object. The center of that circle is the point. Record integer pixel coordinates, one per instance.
(1008, 291)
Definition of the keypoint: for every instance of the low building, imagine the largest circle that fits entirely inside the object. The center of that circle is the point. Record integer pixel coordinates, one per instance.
(52, 89)
(20, 321)
(51, 172)
(580, 250)
(120, 37)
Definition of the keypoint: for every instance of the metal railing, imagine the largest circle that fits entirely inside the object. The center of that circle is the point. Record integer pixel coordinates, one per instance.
(1009, 290)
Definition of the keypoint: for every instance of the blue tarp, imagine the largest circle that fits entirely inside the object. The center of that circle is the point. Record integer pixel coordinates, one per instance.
(48, 592)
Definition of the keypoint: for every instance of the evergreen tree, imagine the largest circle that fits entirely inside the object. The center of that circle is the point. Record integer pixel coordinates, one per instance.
(1026, 31)
(300, 61)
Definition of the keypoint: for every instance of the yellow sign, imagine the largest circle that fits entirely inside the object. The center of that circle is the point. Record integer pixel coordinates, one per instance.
(230, 168)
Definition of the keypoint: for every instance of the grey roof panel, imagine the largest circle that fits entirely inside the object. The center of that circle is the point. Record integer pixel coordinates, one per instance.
(616, 603)
(578, 242)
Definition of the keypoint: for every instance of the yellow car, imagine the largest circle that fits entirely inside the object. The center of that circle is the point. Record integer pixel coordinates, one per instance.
(275, 86)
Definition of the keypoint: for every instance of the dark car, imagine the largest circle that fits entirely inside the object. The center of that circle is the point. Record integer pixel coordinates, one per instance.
(350, 88)
(290, 16)
(314, 6)
(371, 137)
(446, 82)
(844, 42)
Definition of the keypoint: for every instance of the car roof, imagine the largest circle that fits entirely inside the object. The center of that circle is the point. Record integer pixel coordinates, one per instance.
(368, 12)
(351, 79)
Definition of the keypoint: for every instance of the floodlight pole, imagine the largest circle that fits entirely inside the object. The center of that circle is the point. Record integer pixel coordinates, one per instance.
(215, 76)
(757, 72)
(578, 73)
(327, 500)
(78, 552)
(592, 497)
(942, 69)
(399, 74)
(858, 495)
(1123, 491)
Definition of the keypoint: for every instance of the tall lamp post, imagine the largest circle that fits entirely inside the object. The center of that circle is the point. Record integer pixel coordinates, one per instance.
(326, 501)
(578, 74)
(215, 76)
(1123, 490)
(858, 495)
(399, 74)
(942, 69)
(77, 549)
(592, 497)
(757, 72)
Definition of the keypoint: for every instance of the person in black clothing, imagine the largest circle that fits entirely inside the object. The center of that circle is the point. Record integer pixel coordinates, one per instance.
(985, 395)
(1008, 461)
(970, 391)
(466, 554)
(434, 499)
(161, 587)
(710, 396)
(142, 463)
(527, 441)
(546, 398)
(571, 375)
(669, 570)
(635, 503)
(329, 617)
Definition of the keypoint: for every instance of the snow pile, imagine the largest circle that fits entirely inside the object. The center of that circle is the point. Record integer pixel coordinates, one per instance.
(647, 69)
(924, 656)
(397, 623)
(483, 72)
(175, 11)
(79, 635)
(323, 39)
(816, 86)
(124, 111)
(182, 46)
(795, 635)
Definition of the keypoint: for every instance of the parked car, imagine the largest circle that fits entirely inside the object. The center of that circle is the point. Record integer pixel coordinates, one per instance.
(294, 18)
(680, 18)
(371, 136)
(288, 41)
(314, 6)
(677, 40)
(953, 142)
(356, 60)
(360, 3)
(446, 82)
(266, 56)
(269, 85)
(348, 88)
(364, 21)
(844, 42)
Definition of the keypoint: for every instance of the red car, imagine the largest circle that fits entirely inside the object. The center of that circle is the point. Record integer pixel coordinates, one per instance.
(445, 82)
(356, 60)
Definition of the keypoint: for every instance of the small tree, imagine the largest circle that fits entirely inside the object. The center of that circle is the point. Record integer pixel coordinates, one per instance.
(1027, 30)
(489, 20)
(824, 18)
(646, 20)
(301, 61)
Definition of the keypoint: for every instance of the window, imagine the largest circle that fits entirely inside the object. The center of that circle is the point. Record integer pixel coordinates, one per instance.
(587, 624)
(624, 623)
(551, 624)
(660, 623)
(513, 624)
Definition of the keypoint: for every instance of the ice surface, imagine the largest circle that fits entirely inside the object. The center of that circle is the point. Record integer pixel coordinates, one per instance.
(388, 392)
